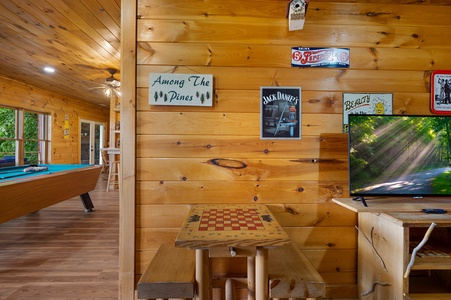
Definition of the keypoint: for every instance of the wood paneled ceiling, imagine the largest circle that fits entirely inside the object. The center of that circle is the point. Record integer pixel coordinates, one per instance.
(79, 38)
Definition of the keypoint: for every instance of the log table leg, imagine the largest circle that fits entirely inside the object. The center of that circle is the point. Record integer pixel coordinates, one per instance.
(202, 275)
(230, 293)
(251, 278)
(261, 274)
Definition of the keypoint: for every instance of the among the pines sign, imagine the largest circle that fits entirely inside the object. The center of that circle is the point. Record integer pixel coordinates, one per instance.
(180, 89)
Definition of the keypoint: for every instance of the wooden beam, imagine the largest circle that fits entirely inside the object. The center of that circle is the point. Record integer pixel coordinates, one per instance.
(128, 136)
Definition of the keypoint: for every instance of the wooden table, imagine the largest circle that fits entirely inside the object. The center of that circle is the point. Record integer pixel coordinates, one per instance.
(218, 230)
(388, 230)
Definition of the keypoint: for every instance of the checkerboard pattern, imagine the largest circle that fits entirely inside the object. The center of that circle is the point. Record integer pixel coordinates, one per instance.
(230, 219)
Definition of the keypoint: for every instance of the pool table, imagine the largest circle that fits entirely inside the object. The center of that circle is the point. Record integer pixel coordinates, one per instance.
(22, 192)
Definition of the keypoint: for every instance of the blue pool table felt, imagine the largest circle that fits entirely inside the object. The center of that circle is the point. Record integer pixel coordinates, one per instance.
(10, 173)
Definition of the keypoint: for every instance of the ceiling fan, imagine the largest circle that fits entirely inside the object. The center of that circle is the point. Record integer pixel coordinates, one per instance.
(111, 85)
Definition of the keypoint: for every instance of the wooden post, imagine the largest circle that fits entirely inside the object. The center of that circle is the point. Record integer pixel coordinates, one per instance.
(261, 274)
(202, 274)
(127, 192)
(230, 289)
(251, 278)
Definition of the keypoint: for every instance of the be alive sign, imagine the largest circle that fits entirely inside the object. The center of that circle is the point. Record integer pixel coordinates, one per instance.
(365, 104)
(180, 89)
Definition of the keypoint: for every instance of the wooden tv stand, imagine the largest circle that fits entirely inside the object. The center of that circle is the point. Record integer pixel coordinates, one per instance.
(388, 230)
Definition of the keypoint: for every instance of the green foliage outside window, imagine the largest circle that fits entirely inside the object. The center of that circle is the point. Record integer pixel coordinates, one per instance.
(31, 137)
(8, 134)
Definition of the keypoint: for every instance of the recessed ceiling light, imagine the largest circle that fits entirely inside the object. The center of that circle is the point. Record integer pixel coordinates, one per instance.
(49, 69)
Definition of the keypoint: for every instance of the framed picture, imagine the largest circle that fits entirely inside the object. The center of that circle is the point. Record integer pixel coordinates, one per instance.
(441, 92)
(280, 112)
(366, 104)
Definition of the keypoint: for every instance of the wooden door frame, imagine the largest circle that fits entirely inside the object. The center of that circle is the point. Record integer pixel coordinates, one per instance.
(92, 124)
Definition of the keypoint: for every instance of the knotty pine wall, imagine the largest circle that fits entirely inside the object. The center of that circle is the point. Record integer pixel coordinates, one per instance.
(65, 150)
(245, 45)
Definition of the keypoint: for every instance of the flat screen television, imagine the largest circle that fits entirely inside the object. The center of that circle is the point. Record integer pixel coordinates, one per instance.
(399, 155)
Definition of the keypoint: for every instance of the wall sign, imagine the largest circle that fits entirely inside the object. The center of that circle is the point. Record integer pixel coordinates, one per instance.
(280, 112)
(441, 92)
(320, 57)
(366, 104)
(180, 89)
(66, 127)
(296, 14)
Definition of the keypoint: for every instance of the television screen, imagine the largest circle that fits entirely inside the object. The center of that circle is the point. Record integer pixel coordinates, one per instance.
(399, 155)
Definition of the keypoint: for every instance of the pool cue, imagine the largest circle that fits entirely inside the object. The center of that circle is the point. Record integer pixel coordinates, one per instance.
(22, 174)
(13, 169)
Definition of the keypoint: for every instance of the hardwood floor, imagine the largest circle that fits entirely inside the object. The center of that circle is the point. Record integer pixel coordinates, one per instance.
(61, 252)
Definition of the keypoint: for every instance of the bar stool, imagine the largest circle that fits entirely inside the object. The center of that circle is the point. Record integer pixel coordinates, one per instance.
(113, 175)
(105, 162)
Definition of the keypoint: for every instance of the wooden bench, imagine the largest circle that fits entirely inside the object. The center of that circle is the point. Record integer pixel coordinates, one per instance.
(170, 274)
(291, 275)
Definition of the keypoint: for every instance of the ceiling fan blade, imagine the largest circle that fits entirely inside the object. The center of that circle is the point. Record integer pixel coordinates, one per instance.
(115, 83)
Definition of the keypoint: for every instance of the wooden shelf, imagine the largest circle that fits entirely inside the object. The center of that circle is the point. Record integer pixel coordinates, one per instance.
(433, 245)
(425, 285)
(432, 263)
(430, 296)
(114, 138)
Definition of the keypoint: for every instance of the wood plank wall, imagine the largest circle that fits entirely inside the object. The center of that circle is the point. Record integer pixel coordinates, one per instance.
(65, 149)
(395, 45)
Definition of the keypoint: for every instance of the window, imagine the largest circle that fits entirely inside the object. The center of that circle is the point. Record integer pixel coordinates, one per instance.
(24, 137)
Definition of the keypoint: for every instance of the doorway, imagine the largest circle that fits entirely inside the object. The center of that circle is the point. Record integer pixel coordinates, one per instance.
(91, 141)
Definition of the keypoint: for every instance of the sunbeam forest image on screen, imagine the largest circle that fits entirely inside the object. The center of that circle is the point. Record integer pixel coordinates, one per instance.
(398, 155)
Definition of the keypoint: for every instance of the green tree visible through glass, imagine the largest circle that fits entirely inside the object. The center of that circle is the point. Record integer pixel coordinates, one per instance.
(31, 137)
(7, 132)
(8, 135)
